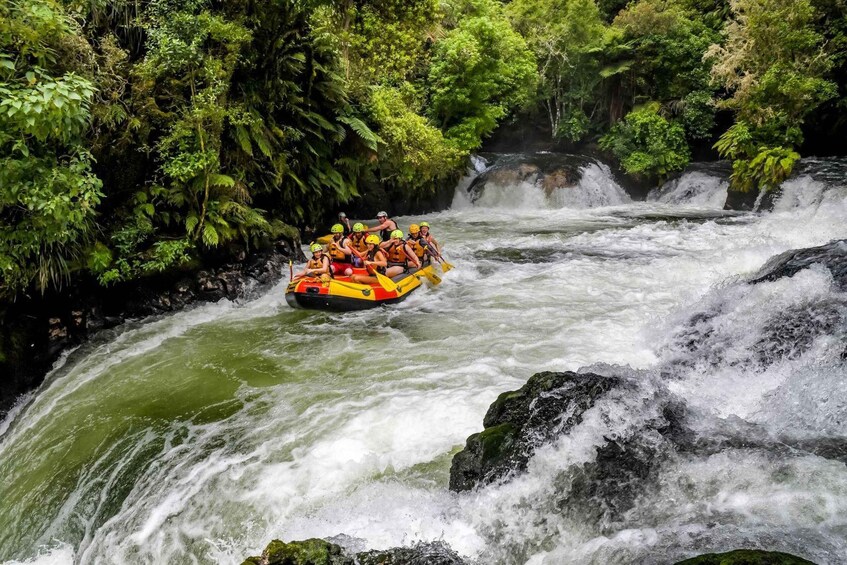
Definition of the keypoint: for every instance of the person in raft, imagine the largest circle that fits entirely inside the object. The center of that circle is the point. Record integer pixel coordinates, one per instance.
(427, 235)
(357, 243)
(399, 255)
(418, 244)
(385, 227)
(345, 221)
(339, 252)
(318, 265)
(374, 258)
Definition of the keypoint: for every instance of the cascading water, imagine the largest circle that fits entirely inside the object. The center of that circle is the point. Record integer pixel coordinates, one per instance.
(201, 436)
(702, 184)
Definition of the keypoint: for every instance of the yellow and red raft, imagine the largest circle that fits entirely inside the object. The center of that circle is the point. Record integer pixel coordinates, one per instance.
(340, 294)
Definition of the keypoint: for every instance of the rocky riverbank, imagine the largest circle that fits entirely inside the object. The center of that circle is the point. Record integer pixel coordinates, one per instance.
(36, 330)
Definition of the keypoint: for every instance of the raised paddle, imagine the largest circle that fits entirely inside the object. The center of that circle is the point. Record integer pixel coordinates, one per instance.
(387, 284)
(445, 266)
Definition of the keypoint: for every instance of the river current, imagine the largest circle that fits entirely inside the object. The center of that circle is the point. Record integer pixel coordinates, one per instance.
(201, 436)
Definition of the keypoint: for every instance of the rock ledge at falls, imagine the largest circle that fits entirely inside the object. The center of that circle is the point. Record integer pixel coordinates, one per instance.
(321, 552)
(833, 256)
(746, 557)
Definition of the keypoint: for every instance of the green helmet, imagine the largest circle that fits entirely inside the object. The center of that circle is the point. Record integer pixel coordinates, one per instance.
(397, 233)
(337, 228)
(424, 224)
(358, 227)
(315, 247)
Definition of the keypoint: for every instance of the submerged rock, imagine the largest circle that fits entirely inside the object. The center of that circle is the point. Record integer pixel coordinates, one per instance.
(833, 256)
(321, 552)
(746, 557)
(548, 405)
(436, 553)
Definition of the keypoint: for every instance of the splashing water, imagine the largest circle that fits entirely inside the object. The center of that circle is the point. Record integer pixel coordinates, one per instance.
(201, 436)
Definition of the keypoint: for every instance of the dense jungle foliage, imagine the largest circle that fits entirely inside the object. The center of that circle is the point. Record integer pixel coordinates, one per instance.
(140, 135)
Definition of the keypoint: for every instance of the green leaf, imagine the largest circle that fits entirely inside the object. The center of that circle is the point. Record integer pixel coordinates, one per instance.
(612, 70)
(210, 235)
(216, 179)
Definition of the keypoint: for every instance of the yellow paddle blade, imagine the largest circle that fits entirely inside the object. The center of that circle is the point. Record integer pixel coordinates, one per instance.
(445, 266)
(386, 283)
(430, 276)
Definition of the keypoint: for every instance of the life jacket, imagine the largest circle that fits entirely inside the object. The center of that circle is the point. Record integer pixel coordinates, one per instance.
(370, 256)
(396, 255)
(418, 247)
(386, 233)
(359, 245)
(316, 263)
(335, 252)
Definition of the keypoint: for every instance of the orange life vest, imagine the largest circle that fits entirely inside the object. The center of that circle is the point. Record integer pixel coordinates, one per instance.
(335, 252)
(396, 254)
(314, 263)
(359, 244)
(418, 246)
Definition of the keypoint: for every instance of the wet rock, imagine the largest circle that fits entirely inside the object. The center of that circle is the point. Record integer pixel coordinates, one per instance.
(751, 201)
(435, 553)
(746, 557)
(833, 256)
(550, 170)
(322, 552)
(548, 405)
(306, 552)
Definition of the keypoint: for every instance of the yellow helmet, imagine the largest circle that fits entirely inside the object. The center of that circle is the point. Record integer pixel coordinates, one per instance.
(424, 224)
(414, 228)
(358, 227)
(315, 247)
(398, 234)
(373, 238)
(337, 228)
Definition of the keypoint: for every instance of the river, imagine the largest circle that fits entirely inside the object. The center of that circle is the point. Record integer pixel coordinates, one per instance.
(201, 436)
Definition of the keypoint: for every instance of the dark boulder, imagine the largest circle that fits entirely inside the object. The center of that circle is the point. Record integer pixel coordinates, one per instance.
(548, 405)
(746, 557)
(833, 256)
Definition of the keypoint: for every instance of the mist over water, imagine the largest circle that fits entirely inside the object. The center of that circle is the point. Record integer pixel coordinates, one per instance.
(201, 436)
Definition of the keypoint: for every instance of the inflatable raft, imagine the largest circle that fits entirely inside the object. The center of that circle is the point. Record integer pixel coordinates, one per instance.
(340, 294)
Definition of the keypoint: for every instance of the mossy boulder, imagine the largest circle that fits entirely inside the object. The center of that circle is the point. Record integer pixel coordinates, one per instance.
(548, 405)
(307, 552)
(746, 557)
(322, 552)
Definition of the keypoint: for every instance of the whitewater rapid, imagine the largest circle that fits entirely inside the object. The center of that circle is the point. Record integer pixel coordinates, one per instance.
(201, 436)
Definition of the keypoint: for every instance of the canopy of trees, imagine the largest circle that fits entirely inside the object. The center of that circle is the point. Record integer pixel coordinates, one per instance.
(137, 136)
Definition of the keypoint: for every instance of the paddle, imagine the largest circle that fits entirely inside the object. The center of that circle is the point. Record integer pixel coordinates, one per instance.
(445, 266)
(290, 270)
(431, 277)
(387, 284)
